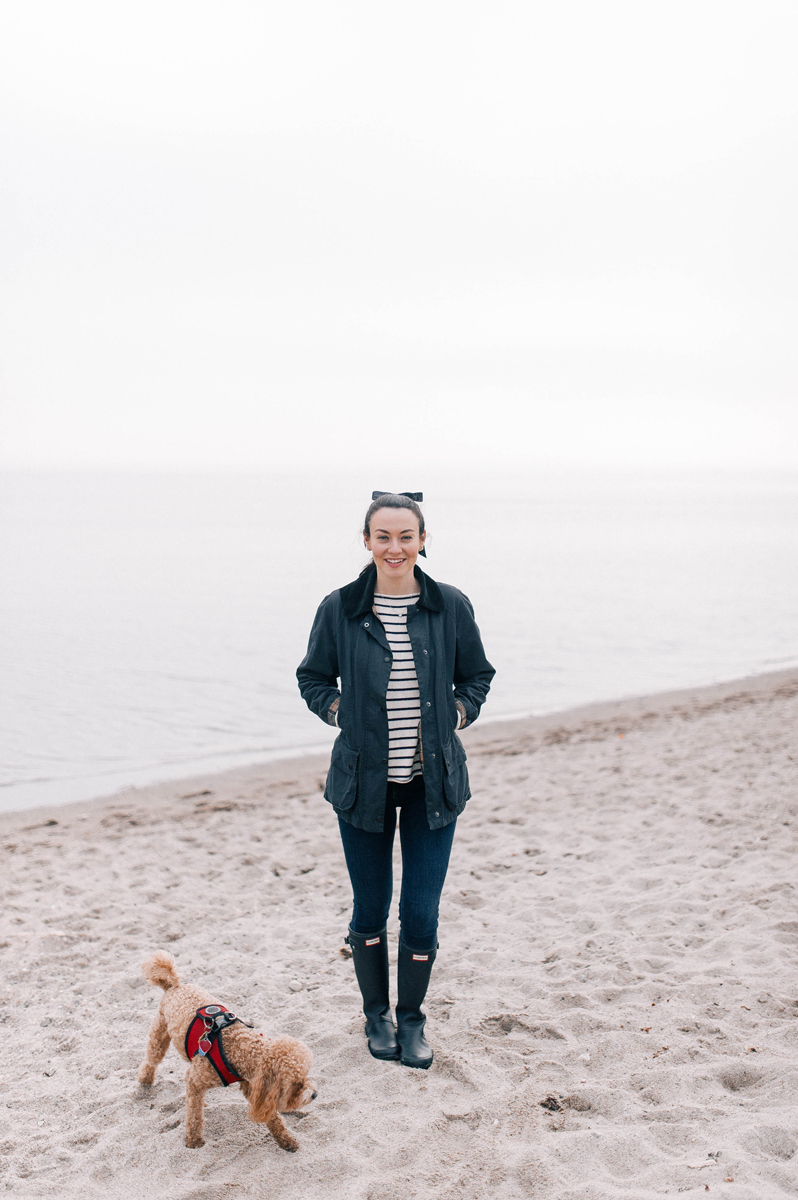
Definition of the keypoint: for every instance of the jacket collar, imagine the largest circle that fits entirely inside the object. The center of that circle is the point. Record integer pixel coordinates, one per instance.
(358, 597)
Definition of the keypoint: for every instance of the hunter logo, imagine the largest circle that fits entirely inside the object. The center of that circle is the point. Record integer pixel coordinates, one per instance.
(420, 958)
(372, 941)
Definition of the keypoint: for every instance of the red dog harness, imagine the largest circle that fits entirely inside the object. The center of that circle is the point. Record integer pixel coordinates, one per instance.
(203, 1041)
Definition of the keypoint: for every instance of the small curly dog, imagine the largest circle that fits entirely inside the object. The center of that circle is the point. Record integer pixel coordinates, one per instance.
(273, 1073)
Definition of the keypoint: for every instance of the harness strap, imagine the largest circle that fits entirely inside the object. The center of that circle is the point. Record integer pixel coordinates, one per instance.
(203, 1040)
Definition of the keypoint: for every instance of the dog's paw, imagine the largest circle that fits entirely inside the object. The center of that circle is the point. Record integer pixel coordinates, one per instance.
(287, 1142)
(146, 1075)
(195, 1143)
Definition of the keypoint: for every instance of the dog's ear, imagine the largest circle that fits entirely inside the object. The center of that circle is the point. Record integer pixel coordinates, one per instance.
(264, 1094)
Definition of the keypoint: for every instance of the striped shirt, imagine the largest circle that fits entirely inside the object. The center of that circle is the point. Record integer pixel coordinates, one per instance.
(402, 701)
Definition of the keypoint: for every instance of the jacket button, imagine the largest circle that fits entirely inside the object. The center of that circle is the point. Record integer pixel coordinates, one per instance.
(429, 704)
(365, 624)
(384, 760)
(437, 814)
(387, 658)
(425, 652)
(432, 756)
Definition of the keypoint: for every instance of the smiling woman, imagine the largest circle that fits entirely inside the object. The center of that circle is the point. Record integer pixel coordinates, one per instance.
(412, 671)
(394, 547)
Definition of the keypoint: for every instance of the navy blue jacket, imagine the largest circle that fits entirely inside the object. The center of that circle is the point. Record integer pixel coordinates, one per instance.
(348, 642)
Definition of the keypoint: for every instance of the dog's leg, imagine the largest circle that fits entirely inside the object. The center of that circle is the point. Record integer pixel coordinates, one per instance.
(263, 1093)
(157, 1045)
(196, 1087)
(276, 1127)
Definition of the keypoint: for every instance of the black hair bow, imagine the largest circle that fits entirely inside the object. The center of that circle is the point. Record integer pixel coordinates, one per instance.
(417, 496)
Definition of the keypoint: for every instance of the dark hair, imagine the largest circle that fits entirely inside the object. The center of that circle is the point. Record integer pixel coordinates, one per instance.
(390, 500)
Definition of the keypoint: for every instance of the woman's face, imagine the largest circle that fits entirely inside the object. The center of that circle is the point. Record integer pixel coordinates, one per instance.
(394, 542)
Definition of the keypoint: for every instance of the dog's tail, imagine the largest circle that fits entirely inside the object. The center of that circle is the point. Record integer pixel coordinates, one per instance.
(159, 970)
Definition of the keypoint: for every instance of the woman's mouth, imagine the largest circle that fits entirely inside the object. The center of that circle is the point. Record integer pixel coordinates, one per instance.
(394, 562)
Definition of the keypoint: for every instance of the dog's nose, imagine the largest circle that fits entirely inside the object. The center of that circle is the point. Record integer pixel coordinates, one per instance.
(313, 1095)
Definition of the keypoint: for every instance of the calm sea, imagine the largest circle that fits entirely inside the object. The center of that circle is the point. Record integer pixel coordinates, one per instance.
(151, 624)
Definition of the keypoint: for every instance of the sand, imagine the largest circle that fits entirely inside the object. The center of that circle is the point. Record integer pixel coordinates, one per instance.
(618, 941)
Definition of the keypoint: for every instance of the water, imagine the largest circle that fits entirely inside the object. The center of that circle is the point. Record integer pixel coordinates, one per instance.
(152, 623)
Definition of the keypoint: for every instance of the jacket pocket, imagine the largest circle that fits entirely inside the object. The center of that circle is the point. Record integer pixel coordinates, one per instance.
(341, 789)
(456, 790)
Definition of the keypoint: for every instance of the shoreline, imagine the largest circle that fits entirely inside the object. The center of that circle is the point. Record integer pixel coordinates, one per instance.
(492, 735)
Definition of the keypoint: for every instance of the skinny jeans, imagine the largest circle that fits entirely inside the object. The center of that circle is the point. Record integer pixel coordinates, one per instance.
(425, 861)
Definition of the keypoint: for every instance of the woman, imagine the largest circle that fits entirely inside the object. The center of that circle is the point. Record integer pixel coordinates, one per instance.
(412, 669)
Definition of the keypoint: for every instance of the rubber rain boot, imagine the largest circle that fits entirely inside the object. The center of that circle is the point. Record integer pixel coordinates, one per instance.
(370, 956)
(415, 968)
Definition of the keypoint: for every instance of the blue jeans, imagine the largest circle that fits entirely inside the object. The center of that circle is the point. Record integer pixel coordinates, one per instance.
(425, 860)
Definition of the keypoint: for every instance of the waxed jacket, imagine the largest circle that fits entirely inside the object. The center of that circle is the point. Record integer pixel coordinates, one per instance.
(348, 642)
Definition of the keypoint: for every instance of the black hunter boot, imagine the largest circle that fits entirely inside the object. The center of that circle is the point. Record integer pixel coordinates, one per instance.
(370, 956)
(415, 967)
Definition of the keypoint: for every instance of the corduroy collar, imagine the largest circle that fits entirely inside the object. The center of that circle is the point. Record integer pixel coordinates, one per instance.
(358, 597)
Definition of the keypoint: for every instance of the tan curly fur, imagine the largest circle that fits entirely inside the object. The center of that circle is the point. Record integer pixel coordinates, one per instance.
(274, 1071)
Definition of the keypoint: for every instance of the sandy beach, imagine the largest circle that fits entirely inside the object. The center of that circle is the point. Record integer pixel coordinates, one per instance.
(614, 1008)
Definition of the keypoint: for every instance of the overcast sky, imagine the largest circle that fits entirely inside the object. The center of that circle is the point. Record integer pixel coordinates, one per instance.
(237, 234)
